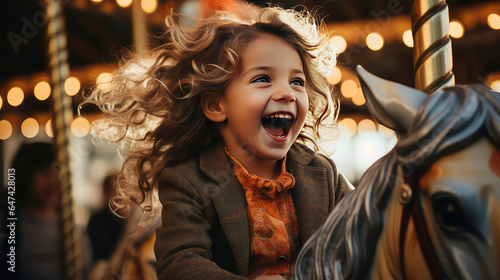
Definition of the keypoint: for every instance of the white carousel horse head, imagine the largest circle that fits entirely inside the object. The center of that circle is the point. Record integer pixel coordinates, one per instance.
(430, 208)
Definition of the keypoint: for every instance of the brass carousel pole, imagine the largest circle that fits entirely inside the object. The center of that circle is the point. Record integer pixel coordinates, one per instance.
(139, 28)
(432, 54)
(62, 116)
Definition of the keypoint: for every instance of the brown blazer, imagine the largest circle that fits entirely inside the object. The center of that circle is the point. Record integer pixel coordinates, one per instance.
(205, 232)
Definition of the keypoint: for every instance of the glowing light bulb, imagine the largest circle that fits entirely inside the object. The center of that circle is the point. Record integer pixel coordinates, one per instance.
(366, 124)
(456, 29)
(339, 42)
(384, 131)
(348, 127)
(494, 21)
(30, 128)
(495, 85)
(5, 129)
(374, 41)
(48, 129)
(149, 6)
(15, 96)
(408, 38)
(80, 127)
(335, 77)
(42, 90)
(71, 86)
(123, 3)
(104, 81)
(348, 88)
(358, 98)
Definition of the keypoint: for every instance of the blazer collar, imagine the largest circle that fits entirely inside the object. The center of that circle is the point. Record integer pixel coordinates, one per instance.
(216, 165)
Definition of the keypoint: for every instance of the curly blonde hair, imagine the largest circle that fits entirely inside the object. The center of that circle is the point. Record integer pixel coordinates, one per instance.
(152, 105)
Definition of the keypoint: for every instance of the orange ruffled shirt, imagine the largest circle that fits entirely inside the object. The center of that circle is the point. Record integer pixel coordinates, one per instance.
(272, 220)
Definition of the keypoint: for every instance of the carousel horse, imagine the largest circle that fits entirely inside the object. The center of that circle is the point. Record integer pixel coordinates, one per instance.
(430, 208)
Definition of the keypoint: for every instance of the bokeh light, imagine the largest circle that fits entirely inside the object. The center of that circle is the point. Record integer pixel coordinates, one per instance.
(30, 128)
(408, 38)
(384, 131)
(42, 90)
(456, 29)
(335, 77)
(123, 3)
(348, 88)
(358, 98)
(48, 128)
(495, 85)
(374, 41)
(71, 86)
(494, 21)
(15, 96)
(339, 42)
(104, 81)
(5, 130)
(348, 127)
(149, 6)
(366, 124)
(80, 127)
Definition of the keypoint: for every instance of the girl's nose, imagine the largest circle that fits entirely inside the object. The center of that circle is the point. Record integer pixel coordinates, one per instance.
(284, 94)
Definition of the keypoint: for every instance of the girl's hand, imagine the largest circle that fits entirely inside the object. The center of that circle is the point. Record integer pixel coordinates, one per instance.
(270, 277)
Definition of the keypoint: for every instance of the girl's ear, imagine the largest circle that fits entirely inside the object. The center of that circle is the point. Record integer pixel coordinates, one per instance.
(214, 109)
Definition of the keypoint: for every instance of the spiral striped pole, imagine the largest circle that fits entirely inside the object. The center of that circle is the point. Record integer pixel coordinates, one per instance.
(62, 116)
(432, 54)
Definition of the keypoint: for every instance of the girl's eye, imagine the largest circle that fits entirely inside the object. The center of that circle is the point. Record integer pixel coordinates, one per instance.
(297, 82)
(261, 79)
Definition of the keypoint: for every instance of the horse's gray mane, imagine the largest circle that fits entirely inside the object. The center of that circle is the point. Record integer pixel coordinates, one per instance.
(449, 120)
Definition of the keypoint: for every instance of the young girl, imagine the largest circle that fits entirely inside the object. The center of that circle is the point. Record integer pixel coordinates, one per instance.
(214, 122)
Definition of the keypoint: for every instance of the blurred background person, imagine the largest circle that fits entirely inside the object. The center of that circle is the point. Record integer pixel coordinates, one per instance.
(105, 228)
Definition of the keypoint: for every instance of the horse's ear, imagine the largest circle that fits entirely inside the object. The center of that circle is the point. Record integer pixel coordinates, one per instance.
(393, 105)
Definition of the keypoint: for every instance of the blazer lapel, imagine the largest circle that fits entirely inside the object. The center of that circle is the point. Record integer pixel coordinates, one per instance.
(310, 192)
(229, 201)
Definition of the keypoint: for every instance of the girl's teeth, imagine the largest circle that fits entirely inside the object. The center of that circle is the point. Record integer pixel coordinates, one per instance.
(281, 116)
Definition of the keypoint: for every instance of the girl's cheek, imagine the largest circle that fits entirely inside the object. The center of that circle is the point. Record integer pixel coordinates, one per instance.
(305, 104)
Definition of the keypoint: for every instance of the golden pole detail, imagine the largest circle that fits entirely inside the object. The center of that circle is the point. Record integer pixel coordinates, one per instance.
(432, 54)
(62, 116)
(139, 25)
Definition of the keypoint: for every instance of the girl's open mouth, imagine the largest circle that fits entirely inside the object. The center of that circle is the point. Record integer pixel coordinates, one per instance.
(278, 124)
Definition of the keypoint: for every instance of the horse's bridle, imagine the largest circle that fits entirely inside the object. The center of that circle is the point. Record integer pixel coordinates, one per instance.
(408, 196)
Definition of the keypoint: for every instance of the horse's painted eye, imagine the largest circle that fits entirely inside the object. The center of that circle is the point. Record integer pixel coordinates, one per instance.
(449, 214)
